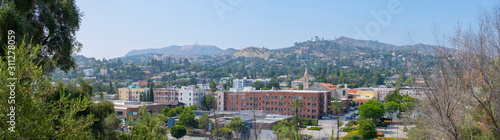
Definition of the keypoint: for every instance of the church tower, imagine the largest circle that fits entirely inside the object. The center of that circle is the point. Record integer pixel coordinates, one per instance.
(306, 80)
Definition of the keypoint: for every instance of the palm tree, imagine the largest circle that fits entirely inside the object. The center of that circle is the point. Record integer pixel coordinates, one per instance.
(337, 106)
(297, 104)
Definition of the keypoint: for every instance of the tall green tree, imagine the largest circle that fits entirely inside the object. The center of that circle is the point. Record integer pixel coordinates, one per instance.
(296, 105)
(258, 85)
(52, 24)
(236, 124)
(165, 111)
(213, 86)
(208, 102)
(204, 121)
(367, 129)
(187, 118)
(148, 126)
(337, 107)
(391, 108)
(151, 95)
(372, 109)
(36, 117)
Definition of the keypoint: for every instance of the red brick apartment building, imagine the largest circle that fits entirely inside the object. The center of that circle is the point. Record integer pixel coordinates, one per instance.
(276, 102)
(165, 95)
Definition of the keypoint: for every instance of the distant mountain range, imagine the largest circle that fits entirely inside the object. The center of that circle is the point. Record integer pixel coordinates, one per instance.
(339, 47)
(342, 46)
(181, 50)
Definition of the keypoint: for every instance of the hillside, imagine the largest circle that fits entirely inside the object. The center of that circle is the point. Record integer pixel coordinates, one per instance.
(181, 50)
(340, 47)
(229, 51)
(254, 52)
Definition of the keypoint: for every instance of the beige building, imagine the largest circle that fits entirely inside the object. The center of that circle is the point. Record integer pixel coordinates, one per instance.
(368, 93)
(130, 93)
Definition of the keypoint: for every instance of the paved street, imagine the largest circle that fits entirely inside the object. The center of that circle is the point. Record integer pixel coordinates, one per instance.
(329, 125)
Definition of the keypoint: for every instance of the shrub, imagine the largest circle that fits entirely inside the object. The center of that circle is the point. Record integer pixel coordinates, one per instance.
(314, 128)
(305, 137)
(385, 119)
(309, 122)
(349, 129)
(351, 123)
(353, 135)
(224, 133)
(178, 131)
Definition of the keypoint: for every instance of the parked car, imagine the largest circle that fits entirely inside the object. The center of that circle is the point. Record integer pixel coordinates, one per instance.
(348, 117)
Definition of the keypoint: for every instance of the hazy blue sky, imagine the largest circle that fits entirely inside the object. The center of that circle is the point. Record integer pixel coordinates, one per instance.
(110, 29)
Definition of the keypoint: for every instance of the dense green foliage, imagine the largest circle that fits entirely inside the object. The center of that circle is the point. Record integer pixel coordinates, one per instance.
(187, 118)
(225, 133)
(258, 85)
(391, 107)
(309, 122)
(52, 24)
(204, 121)
(367, 128)
(286, 130)
(208, 102)
(296, 105)
(36, 117)
(236, 124)
(178, 131)
(148, 126)
(372, 109)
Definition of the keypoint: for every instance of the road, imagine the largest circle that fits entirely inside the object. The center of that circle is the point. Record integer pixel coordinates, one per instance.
(328, 125)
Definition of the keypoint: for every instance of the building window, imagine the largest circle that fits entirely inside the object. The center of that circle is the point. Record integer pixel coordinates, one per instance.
(233, 97)
(314, 98)
(343, 92)
(242, 98)
(314, 104)
(233, 103)
(281, 97)
(308, 104)
(267, 96)
(243, 104)
(308, 98)
(293, 97)
(300, 97)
